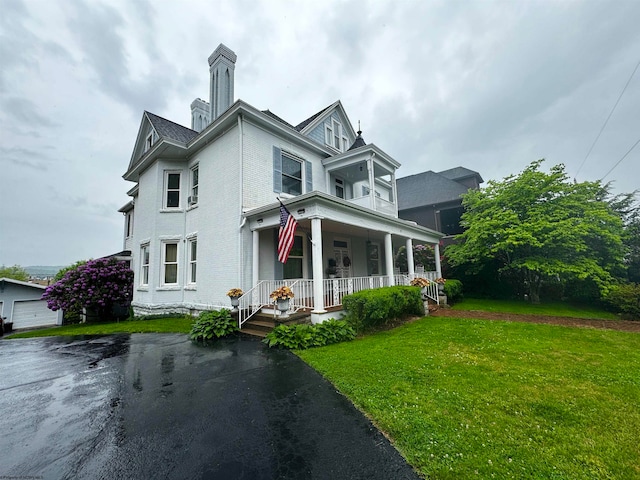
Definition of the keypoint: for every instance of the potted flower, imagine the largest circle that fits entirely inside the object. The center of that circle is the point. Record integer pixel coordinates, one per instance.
(332, 269)
(421, 282)
(234, 294)
(440, 281)
(282, 296)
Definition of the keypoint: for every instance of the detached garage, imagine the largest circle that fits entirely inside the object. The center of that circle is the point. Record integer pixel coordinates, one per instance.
(21, 304)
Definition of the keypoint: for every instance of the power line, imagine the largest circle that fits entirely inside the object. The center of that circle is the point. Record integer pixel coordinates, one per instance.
(607, 121)
(618, 162)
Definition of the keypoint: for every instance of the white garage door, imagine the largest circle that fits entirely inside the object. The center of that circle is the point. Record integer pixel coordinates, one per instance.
(32, 313)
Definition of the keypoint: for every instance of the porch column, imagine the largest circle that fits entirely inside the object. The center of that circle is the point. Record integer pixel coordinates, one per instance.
(255, 258)
(388, 256)
(410, 263)
(394, 193)
(436, 251)
(317, 262)
(372, 183)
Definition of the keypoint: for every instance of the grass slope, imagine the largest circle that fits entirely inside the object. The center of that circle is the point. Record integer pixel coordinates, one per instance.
(478, 399)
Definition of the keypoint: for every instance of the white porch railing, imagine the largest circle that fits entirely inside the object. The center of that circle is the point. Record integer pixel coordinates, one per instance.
(334, 290)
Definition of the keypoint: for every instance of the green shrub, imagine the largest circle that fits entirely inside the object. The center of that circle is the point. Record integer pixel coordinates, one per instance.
(625, 299)
(453, 290)
(211, 325)
(299, 337)
(370, 308)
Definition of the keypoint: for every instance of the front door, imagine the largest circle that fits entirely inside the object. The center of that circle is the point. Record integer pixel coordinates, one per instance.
(342, 255)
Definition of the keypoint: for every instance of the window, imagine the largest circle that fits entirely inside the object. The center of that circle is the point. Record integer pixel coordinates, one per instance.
(333, 135)
(373, 258)
(291, 175)
(345, 144)
(129, 223)
(337, 134)
(193, 199)
(294, 268)
(151, 138)
(144, 265)
(328, 134)
(172, 190)
(193, 256)
(170, 264)
(339, 188)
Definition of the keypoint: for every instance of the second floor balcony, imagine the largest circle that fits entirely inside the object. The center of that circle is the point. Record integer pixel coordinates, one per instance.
(364, 176)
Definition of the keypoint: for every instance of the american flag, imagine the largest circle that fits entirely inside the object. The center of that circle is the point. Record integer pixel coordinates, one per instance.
(286, 234)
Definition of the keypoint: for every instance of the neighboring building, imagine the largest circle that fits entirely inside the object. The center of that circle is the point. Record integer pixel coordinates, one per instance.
(21, 304)
(204, 214)
(432, 199)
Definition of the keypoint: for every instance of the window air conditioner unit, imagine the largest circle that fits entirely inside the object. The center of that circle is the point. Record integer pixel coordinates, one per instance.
(192, 200)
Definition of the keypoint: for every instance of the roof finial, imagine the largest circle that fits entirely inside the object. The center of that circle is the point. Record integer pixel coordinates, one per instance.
(359, 129)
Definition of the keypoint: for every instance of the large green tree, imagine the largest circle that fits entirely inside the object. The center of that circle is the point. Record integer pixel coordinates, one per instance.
(15, 272)
(538, 227)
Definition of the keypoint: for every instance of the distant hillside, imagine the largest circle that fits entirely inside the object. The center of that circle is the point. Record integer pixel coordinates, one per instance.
(43, 270)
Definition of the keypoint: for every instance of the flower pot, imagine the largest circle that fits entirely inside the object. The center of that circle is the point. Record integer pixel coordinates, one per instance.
(235, 301)
(282, 304)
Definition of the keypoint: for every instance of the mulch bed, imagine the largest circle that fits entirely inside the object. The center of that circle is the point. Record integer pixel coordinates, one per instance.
(623, 325)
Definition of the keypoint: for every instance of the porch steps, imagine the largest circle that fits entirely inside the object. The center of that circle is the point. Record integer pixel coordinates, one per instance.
(261, 324)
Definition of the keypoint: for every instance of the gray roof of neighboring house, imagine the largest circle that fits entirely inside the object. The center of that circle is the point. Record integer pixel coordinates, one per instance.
(427, 188)
(458, 173)
(168, 129)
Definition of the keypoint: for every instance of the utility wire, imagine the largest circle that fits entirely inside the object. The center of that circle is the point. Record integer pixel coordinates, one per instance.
(618, 162)
(605, 123)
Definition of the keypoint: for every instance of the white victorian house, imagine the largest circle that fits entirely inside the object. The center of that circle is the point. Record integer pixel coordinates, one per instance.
(204, 211)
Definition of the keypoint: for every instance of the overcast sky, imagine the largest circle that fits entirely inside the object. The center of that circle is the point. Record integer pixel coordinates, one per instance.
(491, 86)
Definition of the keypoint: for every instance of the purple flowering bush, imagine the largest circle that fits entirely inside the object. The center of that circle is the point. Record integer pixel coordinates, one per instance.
(97, 285)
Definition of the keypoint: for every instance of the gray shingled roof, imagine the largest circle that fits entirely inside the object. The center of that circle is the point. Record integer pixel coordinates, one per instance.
(427, 188)
(457, 173)
(277, 118)
(170, 130)
(359, 142)
(306, 122)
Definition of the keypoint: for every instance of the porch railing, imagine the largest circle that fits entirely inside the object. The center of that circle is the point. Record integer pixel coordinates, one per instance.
(334, 290)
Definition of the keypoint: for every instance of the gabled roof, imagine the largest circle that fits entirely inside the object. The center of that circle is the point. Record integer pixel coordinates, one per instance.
(169, 130)
(427, 188)
(310, 123)
(306, 122)
(458, 173)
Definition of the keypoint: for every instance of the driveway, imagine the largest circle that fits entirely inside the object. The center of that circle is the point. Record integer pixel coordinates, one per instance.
(157, 406)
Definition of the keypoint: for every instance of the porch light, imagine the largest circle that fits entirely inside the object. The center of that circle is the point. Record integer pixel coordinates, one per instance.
(301, 211)
(259, 220)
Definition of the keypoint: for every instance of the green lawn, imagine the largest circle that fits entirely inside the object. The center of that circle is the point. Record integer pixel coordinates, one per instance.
(477, 399)
(159, 325)
(557, 309)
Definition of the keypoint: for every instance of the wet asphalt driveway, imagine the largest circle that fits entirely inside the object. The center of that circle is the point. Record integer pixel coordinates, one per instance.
(157, 406)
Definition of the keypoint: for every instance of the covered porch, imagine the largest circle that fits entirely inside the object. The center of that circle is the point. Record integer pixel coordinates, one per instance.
(340, 248)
